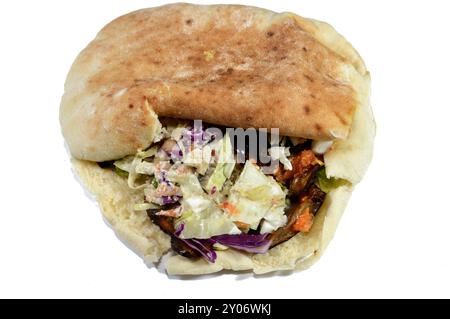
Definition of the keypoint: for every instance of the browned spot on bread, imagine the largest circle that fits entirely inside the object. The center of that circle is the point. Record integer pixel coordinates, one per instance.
(270, 34)
(318, 127)
(307, 109)
(130, 106)
(310, 79)
(189, 21)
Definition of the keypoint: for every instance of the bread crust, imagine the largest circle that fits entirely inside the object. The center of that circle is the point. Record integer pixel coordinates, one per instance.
(231, 65)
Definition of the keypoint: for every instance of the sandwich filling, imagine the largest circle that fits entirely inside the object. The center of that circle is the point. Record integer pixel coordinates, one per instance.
(209, 193)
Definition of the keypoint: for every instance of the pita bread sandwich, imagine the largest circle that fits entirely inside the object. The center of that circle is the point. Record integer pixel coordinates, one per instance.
(148, 115)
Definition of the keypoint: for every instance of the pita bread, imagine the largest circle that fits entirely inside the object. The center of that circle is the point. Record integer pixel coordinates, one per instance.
(349, 157)
(236, 66)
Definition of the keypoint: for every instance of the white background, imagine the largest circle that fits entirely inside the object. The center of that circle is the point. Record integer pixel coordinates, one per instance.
(393, 240)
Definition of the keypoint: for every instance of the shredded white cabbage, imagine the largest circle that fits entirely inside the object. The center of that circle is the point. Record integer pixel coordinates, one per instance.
(177, 133)
(136, 166)
(201, 216)
(211, 222)
(125, 163)
(145, 168)
(281, 154)
(198, 157)
(224, 167)
(274, 219)
(148, 153)
(256, 196)
(214, 208)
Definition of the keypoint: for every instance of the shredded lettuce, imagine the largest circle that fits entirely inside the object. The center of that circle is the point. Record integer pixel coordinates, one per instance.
(188, 182)
(199, 157)
(201, 216)
(121, 172)
(177, 133)
(224, 167)
(208, 223)
(145, 168)
(135, 166)
(124, 164)
(273, 219)
(327, 184)
(191, 152)
(216, 180)
(148, 153)
(256, 196)
(154, 182)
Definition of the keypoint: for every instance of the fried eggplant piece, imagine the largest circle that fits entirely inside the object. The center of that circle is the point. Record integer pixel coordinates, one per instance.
(166, 224)
(308, 204)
